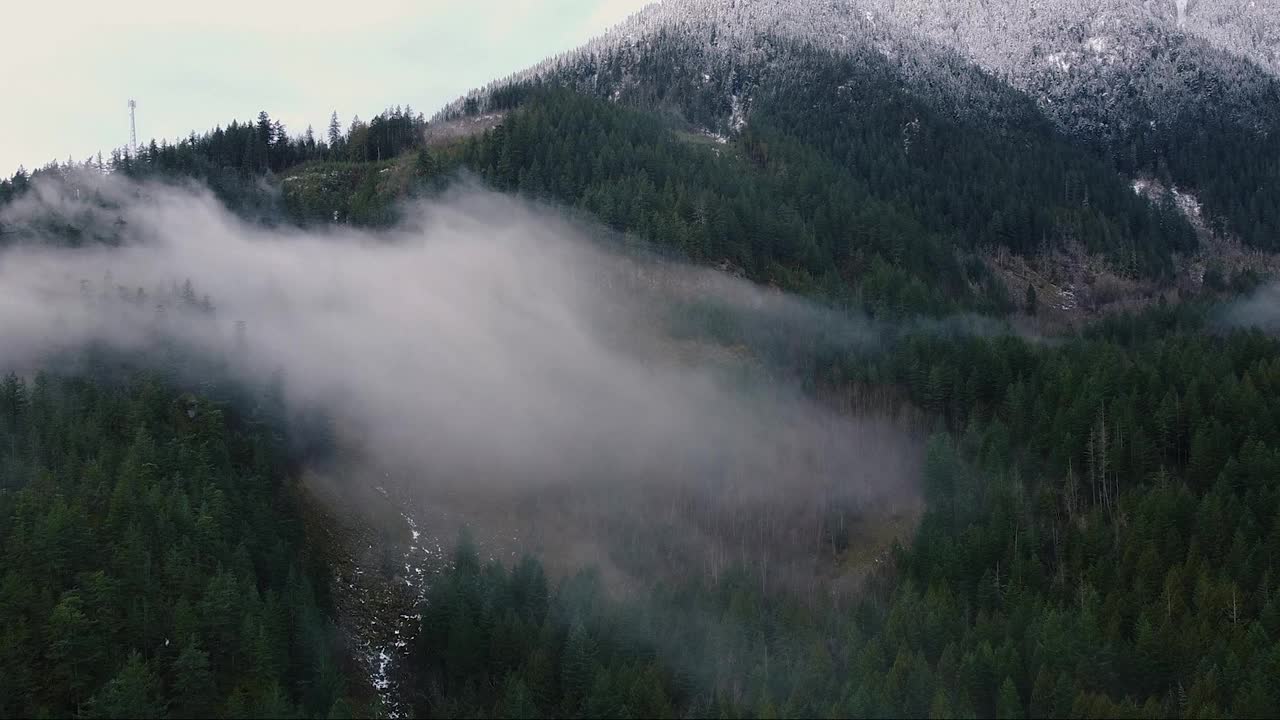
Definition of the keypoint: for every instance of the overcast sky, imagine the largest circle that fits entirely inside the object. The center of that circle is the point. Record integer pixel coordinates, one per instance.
(70, 67)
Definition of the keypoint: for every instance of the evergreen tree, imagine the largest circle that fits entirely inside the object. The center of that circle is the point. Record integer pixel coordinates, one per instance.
(133, 693)
(193, 687)
(335, 130)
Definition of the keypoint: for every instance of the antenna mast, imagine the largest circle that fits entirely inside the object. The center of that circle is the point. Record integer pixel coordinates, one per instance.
(133, 128)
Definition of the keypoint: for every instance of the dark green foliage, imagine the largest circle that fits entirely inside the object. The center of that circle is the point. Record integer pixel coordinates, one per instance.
(252, 148)
(1106, 520)
(238, 163)
(498, 643)
(1101, 540)
(1022, 186)
(820, 232)
(1103, 518)
(359, 193)
(867, 196)
(842, 183)
(1233, 168)
(150, 565)
(130, 694)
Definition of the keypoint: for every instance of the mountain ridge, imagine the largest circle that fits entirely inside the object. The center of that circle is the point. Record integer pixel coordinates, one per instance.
(1125, 80)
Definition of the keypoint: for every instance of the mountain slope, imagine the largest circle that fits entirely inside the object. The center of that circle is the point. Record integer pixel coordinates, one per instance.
(1188, 91)
(1102, 520)
(813, 187)
(1122, 79)
(872, 152)
(1102, 66)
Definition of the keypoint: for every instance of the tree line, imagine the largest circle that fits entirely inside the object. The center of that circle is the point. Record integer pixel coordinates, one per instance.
(153, 560)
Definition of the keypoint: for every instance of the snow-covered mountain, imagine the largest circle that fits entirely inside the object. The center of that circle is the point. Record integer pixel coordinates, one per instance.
(1184, 91)
(725, 44)
(1002, 34)
(1100, 68)
(1249, 28)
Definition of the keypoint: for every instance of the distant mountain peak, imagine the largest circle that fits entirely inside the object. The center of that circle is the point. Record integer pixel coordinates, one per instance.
(1096, 66)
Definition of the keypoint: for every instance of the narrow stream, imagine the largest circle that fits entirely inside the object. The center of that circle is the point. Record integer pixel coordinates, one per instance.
(386, 547)
(388, 653)
(383, 564)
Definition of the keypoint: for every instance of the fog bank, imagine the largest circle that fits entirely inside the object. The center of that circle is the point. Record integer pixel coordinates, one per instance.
(1261, 309)
(486, 344)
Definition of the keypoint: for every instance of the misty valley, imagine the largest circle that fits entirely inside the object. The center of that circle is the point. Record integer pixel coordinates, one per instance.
(487, 364)
(754, 359)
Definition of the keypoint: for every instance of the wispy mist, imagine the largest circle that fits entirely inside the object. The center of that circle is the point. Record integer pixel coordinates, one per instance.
(1261, 309)
(486, 345)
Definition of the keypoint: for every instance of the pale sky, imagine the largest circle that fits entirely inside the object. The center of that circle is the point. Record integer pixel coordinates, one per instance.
(71, 66)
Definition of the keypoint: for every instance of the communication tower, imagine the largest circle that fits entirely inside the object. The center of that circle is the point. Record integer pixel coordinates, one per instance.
(133, 127)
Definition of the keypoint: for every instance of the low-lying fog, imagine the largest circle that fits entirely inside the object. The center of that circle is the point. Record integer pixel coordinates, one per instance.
(487, 344)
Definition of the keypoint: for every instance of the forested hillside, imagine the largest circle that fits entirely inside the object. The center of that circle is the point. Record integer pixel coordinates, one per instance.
(1095, 529)
(841, 185)
(1183, 90)
(152, 560)
(241, 162)
(889, 198)
(1101, 541)
(1138, 84)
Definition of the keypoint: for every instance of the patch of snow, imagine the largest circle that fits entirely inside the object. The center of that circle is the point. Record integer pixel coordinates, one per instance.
(413, 529)
(380, 679)
(737, 114)
(1187, 202)
(1067, 298)
(909, 132)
